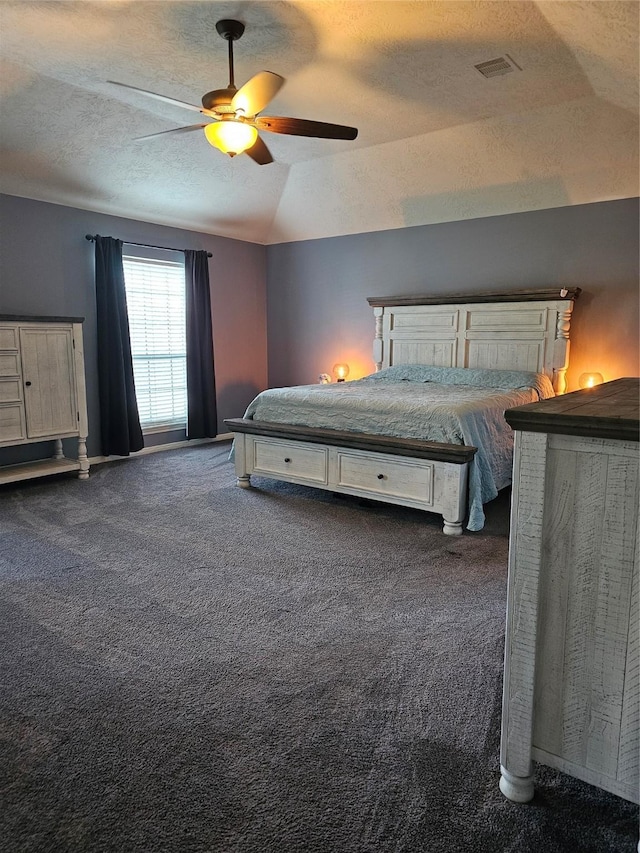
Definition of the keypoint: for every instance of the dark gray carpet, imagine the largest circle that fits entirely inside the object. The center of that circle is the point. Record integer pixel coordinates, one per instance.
(187, 666)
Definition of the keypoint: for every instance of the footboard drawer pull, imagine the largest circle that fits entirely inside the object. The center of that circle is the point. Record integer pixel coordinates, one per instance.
(286, 459)
(381, 476)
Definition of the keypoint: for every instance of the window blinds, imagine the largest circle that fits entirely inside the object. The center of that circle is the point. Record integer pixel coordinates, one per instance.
(156, 308)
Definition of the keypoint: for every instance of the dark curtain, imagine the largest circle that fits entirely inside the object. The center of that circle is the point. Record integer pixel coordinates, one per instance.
(202, 421)
(119, 420)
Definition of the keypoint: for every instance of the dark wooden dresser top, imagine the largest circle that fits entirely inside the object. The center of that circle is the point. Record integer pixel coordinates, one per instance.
(607, 411)
(33, 318)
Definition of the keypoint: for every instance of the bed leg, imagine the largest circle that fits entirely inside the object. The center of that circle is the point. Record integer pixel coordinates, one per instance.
(240, 454)
(454, 497)
(452, 528)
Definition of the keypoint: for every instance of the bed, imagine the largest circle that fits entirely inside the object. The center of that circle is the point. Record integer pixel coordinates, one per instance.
(468, 358)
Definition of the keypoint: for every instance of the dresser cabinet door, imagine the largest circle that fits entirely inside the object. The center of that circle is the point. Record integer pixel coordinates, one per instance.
(49, 382)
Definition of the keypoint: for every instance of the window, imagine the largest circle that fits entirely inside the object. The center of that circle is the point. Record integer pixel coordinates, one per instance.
(156, 306)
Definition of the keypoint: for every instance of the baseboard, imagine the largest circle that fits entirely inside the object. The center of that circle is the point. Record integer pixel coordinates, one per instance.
(156, 448)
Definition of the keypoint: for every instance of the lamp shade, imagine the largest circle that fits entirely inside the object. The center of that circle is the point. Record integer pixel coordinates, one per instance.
(341, 371)
(590, 380)
(231, 137)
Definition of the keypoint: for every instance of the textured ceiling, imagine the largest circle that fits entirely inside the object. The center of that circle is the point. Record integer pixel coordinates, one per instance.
(437, 141)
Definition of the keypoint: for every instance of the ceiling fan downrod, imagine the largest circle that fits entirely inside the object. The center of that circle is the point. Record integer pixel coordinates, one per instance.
(231, 31)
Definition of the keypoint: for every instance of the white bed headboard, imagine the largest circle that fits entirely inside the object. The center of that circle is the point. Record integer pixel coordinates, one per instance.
(522, 330)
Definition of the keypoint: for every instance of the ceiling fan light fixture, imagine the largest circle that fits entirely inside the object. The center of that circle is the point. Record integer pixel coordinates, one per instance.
(231, 137)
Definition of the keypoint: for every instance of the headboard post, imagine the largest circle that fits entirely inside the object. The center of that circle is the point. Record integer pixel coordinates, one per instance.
(378, 345)
(561, 348)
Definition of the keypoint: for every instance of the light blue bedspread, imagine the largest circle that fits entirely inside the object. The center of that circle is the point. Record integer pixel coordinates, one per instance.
(444, 404)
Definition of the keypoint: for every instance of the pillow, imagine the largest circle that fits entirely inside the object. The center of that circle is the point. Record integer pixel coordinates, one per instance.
(475, 376)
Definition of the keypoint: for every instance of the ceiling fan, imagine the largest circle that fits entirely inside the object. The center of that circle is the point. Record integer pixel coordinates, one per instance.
(235, 112)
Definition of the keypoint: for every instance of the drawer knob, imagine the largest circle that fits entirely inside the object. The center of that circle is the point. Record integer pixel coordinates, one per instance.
(381, 476)
(286, 459)
(27, 384)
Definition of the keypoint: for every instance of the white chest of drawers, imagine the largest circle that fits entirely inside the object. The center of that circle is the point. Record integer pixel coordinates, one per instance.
(42, 392)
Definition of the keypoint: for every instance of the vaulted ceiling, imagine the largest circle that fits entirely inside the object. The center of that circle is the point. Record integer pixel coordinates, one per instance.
(437, 140)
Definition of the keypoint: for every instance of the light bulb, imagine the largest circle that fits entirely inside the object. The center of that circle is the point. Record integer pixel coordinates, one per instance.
(231, 137)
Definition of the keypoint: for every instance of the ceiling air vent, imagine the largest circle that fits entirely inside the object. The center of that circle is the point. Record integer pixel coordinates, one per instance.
(495, 67)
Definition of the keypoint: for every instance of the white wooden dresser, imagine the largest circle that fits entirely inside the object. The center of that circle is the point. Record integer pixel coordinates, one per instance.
(42, 392)
(571, 688)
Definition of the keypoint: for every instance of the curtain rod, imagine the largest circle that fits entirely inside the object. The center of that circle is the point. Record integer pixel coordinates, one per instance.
(92, 238)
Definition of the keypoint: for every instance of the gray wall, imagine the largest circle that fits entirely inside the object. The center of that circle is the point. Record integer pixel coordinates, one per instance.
(317, 312)
(314, 311)
(46, 267)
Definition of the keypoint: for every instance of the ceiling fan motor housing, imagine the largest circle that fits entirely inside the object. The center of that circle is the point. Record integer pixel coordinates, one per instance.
(219, 100)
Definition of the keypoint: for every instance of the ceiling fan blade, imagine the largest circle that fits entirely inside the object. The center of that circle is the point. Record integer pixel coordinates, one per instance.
(257, 92)
(173, 130)
(259, 153)
(165, 99)
(302, 127)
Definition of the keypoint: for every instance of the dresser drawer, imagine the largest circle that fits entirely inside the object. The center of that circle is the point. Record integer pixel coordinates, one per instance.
(271, 456)
(9, 365)
(409, 479)
(8, 337)
(12, 426)
(10, 390)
